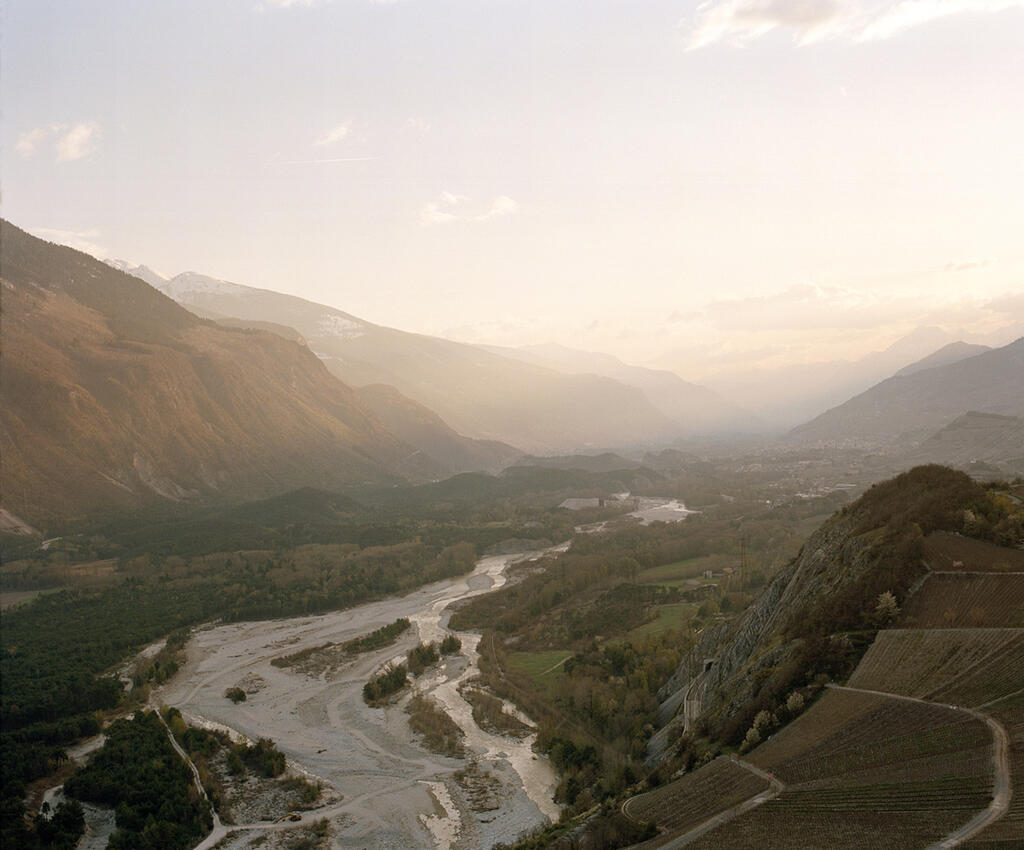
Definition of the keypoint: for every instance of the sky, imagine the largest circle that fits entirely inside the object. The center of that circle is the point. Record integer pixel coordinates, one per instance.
(704, 186)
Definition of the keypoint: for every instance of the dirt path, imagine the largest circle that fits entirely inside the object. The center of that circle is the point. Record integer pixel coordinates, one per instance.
(775, 787)
(1002, 786)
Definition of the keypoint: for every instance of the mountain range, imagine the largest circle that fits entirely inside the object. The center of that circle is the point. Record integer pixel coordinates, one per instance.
(788, 396)
(924, 397)
(115, 395)
(476, 392)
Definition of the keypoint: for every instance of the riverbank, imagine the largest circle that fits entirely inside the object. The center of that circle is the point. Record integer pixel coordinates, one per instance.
(395, 794)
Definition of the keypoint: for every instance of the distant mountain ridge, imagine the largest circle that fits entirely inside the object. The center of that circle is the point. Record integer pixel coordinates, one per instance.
(910, 405)
(113, 394)
(981, 443)
(477, 393)
(695, 409)
(951, 353)
(789, 396)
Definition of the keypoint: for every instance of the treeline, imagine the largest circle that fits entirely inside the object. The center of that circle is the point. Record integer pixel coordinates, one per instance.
(387, 682)
(384, 636)
(139, 775)
(394, 677)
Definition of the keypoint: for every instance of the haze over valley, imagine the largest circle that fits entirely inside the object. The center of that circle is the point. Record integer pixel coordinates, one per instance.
(577, 427)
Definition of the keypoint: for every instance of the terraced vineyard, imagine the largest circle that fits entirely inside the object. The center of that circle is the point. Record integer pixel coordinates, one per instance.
(777, 826)
(860, 741)
(959, 666)
(689, 801)
(943, 551)
(866, 771)
(971, 600)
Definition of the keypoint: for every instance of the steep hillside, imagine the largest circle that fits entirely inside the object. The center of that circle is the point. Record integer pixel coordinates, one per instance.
(426, 431)
(695, 409)
(952, 353)
(993, 442)
(113, 394)
(478, 393)
(813, 617)
(908, 407)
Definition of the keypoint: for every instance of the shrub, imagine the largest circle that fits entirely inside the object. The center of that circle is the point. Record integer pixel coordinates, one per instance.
(236, 695)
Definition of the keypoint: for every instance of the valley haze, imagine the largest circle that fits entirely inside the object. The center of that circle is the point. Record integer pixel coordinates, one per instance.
(582, 426)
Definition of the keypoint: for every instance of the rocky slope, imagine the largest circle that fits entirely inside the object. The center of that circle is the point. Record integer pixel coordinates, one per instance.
(113, 394)
(807, 621)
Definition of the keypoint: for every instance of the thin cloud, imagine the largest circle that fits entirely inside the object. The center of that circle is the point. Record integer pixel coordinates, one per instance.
(911, 13)
(71, 142)
(80, 240)
(969, 266)
(30, 140)
(333, 136)
(450, 208)
(78, 142)
(327, 159)
(739, 22)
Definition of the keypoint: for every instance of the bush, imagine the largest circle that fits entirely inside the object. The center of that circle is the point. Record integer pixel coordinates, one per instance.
(389, 681)
(236, 695)
(450, 645)
(421, 657)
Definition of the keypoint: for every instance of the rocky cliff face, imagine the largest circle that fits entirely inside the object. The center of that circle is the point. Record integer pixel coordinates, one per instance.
(733, 661)
(825, 596)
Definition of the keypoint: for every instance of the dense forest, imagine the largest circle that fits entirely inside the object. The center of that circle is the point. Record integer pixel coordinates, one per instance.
(139, 775)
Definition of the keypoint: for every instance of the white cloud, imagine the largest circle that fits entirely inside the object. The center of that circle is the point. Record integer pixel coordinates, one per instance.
(30, 140)
(449, 208)
(910, 13)
(80, 240)
(72, 142)
(78, 142)
(741, 21)
(335, 135)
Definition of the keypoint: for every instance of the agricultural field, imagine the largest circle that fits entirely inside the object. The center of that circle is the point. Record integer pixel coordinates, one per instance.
(966, 600)
(672, 617)
(688, 573)
(778, 826)
(865, 771)
(691, 800)
(544, 667)
(845, 740)
(943, 551)
(959, 666)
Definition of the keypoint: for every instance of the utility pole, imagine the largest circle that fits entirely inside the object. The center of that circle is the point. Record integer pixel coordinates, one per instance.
(743, 562)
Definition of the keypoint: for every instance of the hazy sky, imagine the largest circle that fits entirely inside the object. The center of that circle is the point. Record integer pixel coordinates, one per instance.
(802, 177)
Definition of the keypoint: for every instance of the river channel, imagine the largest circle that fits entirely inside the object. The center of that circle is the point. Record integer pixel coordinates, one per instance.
(396, 794)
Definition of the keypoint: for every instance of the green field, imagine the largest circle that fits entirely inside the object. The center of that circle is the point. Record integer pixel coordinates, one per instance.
(674, 616)
(681, 572)
(543, 667)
